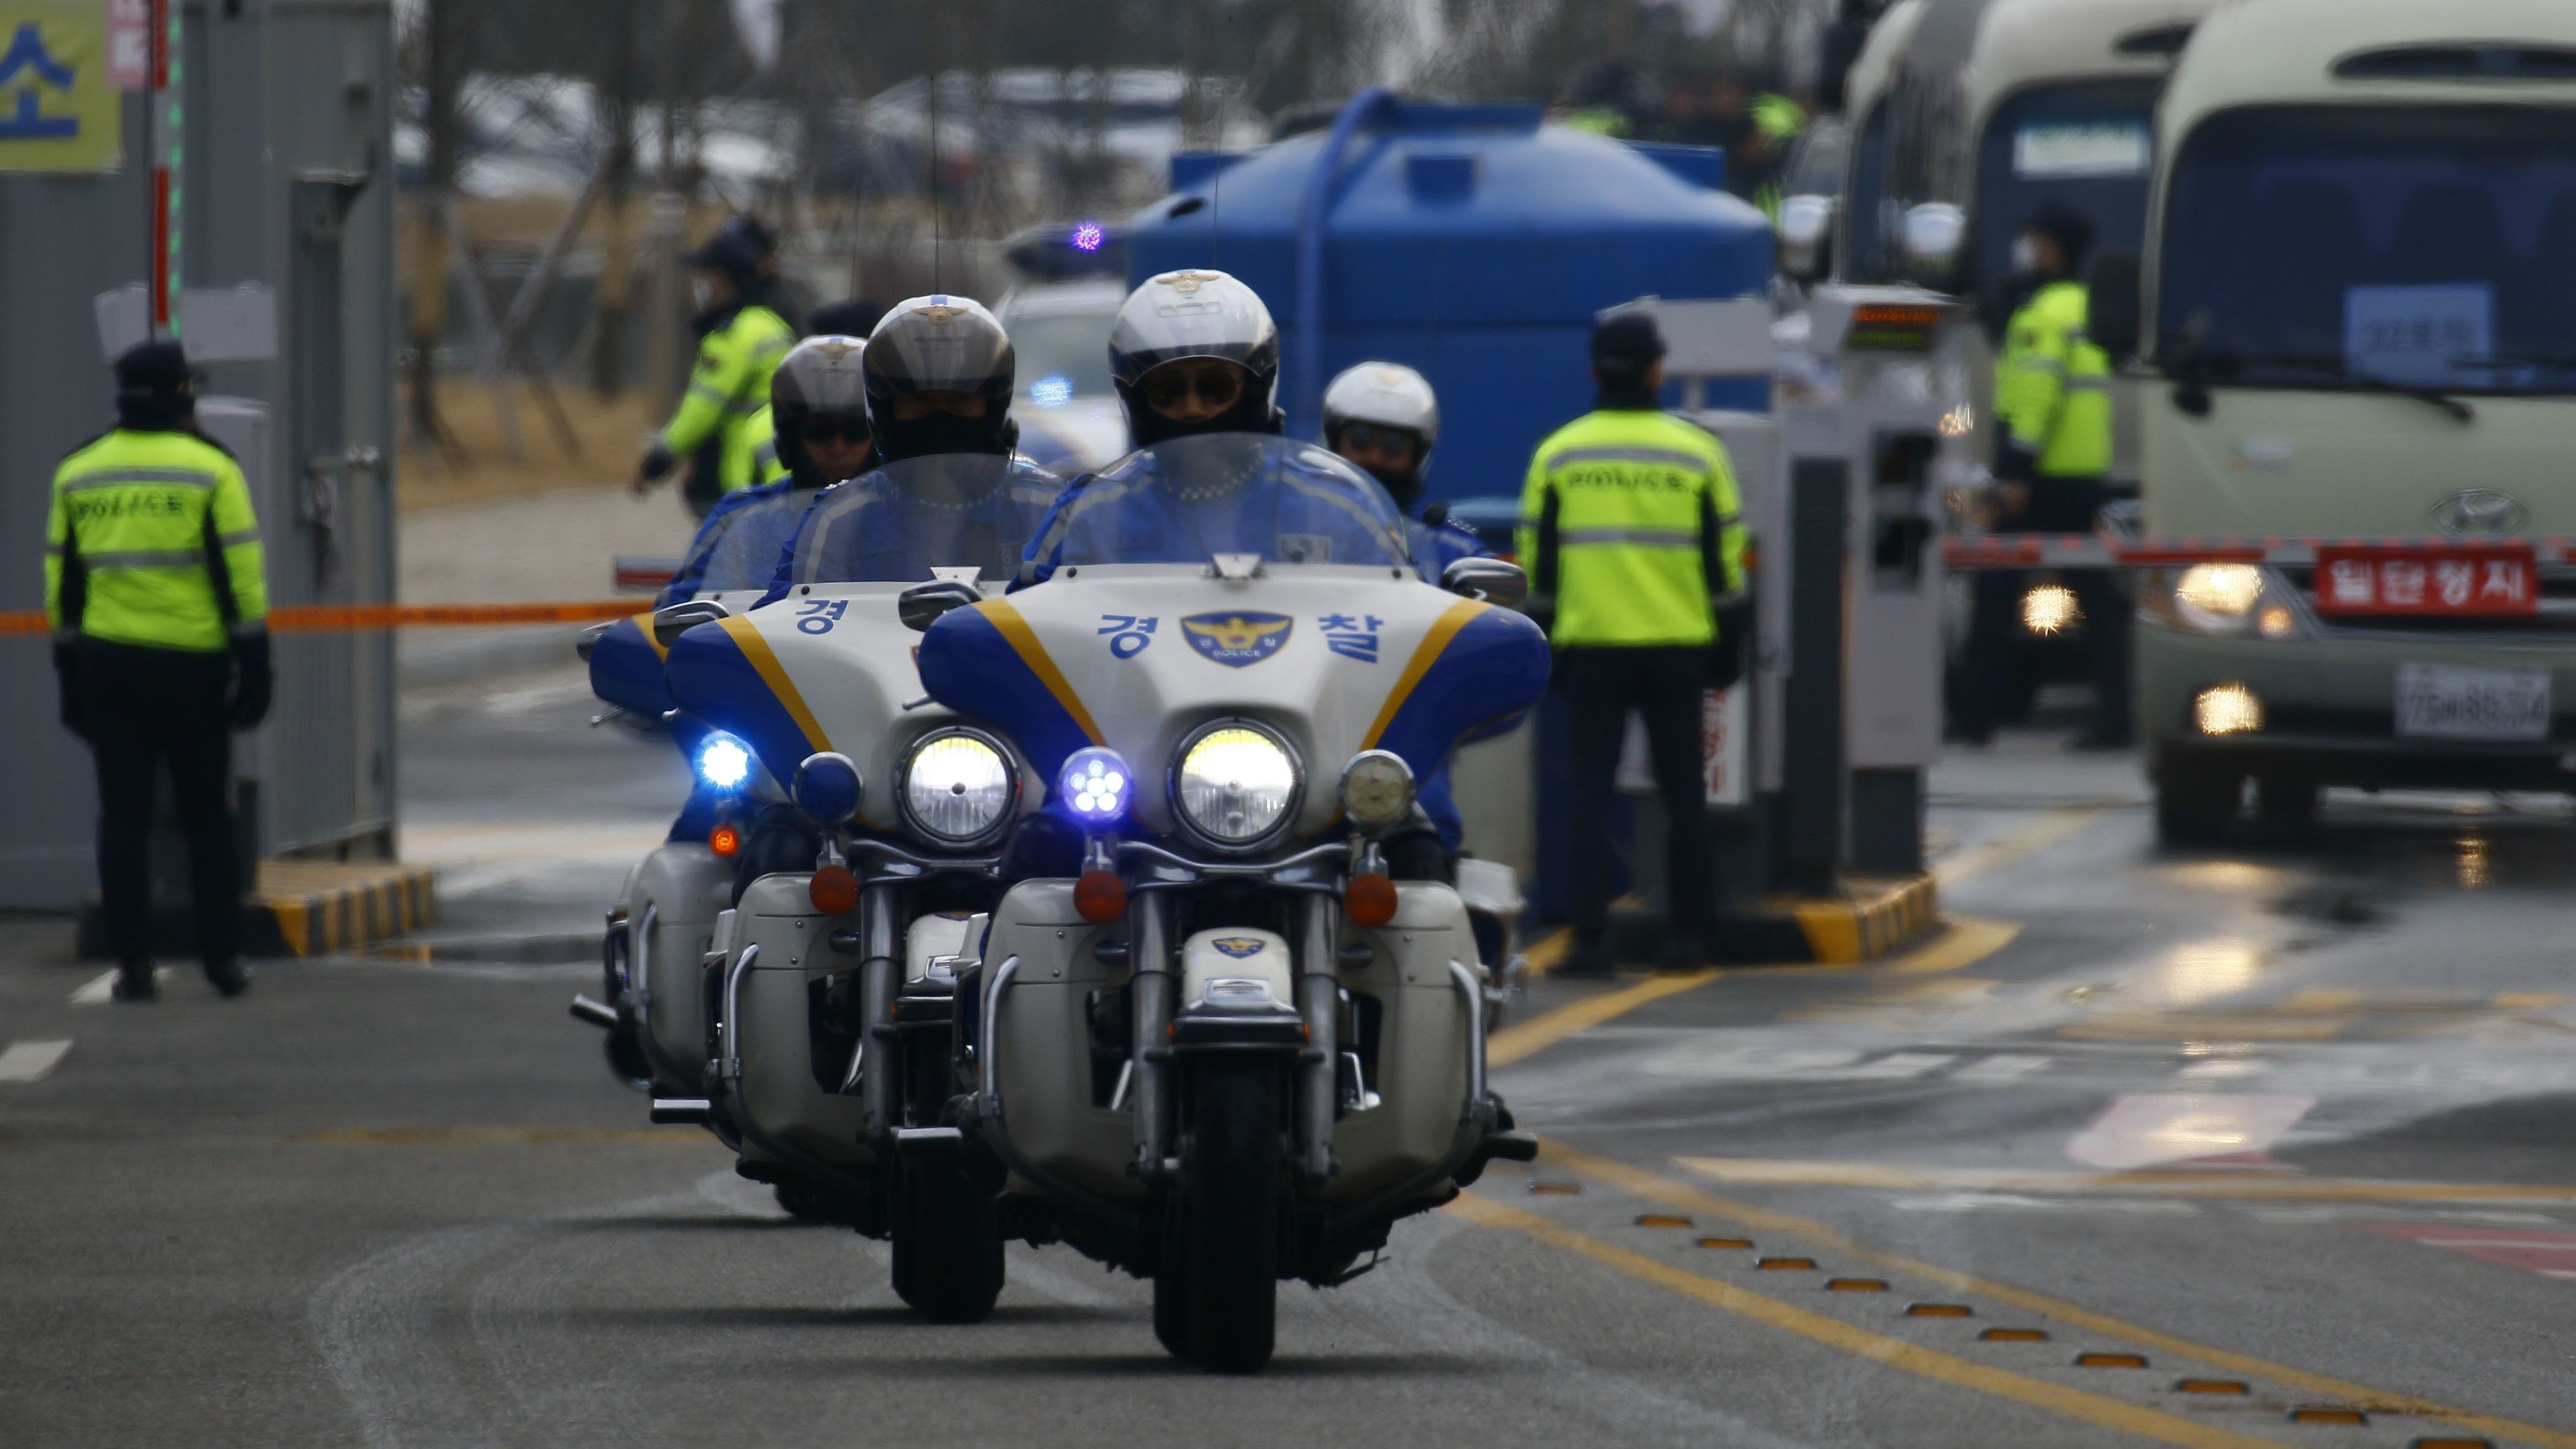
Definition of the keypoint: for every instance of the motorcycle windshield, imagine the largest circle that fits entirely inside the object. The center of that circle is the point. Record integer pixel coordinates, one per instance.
(1190, 499)
(739, 548)
(948, 510)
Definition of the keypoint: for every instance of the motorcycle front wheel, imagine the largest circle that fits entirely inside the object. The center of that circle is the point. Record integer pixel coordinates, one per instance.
(1232, 1178)
(947, 1242)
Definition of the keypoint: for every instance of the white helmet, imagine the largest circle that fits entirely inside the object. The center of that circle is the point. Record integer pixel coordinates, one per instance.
(1195, 314)
(1388, 394)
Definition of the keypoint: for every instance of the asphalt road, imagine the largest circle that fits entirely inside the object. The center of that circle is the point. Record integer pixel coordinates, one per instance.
(2150, 1148)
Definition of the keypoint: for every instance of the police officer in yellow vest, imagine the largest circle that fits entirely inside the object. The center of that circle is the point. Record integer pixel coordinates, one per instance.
(1631, 530)
(2053, 448)
(154, 589)
(741, 337)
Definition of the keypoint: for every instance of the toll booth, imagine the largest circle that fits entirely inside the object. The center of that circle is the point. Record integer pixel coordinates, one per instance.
(1865, 507)
(284, 242)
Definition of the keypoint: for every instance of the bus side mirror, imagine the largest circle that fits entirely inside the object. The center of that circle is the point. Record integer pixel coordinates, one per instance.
(1934, 234)
(2112, 281)
(1806, 237)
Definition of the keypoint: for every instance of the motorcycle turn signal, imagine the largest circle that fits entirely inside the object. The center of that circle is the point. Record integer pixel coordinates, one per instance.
(834, 890)
(1099, 896)
(1370, 901)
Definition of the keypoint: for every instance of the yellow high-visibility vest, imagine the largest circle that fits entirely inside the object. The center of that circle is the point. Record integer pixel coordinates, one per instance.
(151, 540)
(728, 385)
(1629, 491)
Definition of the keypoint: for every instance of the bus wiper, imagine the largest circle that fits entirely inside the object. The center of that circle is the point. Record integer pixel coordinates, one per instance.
(2336, 367)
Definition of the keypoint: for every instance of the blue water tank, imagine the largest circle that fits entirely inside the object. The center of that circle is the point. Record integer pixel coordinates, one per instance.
(1471, 242)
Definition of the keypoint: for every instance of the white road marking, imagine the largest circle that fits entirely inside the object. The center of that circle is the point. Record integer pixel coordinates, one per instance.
(1896, 1066)
(31, 1061)
(2148, 1129)
(99, 990)
(2003, 1068)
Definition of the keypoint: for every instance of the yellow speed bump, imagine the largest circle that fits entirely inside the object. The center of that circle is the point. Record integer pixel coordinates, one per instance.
(2015, 1335)
(2111, 1360)
(1856, 1285)
(1939, 1310)
(1739, 1244)
(1661, 1220)
(1787, 1265)
(2213, 1386)
(2327, 1414)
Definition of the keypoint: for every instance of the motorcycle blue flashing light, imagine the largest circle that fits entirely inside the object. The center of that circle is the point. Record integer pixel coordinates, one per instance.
(1088, 237)
(827, 788)
(1051, 391)
(1095, 785)
(723, 761)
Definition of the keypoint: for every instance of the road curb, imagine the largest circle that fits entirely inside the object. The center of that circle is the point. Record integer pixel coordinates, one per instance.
(300, 908)
(1866, 920)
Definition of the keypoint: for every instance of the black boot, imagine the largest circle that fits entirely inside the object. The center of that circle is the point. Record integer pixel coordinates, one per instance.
(133, 982)
(230, 977)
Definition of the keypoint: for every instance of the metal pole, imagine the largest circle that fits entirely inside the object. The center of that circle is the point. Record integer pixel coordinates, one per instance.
(163, 116)
(1812, 775)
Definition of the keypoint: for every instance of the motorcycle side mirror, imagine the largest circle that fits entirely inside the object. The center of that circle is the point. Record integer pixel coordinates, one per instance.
(1488, 579)
(670, 623)
(923, 605)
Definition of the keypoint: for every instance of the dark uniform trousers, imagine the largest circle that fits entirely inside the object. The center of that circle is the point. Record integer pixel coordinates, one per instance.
(2057, 505)
(1602, 684)
(142, 708)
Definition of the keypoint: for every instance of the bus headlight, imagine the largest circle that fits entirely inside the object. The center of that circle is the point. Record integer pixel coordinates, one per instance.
(958, 787)
(1236, 784)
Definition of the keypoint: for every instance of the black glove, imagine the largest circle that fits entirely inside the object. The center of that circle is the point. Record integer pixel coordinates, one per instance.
(657, 463)
(252, 680)
(67, 685)
(1727, 653)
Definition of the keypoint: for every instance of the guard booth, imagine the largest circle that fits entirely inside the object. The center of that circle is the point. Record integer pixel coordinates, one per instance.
(1816, 760)
(284, 244)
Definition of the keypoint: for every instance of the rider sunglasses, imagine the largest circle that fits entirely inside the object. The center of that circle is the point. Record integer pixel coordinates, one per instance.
(1216, 384)
(1378, 438)
(832, 430)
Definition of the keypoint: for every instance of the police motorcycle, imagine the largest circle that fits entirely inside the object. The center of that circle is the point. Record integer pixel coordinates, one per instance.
(1227, 1025)
(828, 983)
(665, 917)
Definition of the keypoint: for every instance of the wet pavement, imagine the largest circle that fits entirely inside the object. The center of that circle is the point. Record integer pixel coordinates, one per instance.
(2264, 1144)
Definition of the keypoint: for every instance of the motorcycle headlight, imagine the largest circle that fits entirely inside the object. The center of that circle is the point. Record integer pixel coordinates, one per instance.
(723, 761)
(958, 787)
(1377, 789)
(1236, 784)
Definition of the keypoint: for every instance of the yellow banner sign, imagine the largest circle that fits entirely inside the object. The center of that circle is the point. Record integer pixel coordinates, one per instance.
(57, 110)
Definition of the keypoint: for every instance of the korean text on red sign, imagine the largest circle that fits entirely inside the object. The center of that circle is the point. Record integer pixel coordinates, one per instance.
(2466, 582)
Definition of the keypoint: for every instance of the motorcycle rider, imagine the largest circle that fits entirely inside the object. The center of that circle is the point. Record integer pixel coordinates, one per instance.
(1384, 417)
(1195, 353)
(938, 374)
(818, 399)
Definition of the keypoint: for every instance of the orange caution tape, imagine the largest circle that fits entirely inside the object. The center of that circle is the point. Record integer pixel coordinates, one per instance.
(343, 618)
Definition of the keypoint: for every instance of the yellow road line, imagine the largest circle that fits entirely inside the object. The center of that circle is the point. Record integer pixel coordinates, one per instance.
(1965, 942)
(2232, 1185)
(1664, 1190)
(1896, 1353)
(2040, 834)
(1548, 952)
(1540, 1032)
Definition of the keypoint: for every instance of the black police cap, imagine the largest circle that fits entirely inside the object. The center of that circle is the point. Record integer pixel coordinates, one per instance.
(1626, 342)
(154, 367)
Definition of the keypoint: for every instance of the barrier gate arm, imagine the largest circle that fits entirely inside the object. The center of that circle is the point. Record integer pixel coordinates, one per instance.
(2098, 550)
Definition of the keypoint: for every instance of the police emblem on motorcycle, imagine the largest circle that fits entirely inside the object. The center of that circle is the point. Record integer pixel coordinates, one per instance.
(1237, 639)
(1238, 947)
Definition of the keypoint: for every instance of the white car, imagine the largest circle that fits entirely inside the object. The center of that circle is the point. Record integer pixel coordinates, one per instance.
(1068, 412)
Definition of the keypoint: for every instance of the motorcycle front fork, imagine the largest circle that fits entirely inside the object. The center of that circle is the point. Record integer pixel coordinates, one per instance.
(1155, 989)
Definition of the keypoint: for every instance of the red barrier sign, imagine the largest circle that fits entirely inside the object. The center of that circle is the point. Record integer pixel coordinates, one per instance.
(2462, 583)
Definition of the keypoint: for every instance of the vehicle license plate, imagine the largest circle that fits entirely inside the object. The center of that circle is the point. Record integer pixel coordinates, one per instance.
(2447, 702)
(2470, 581)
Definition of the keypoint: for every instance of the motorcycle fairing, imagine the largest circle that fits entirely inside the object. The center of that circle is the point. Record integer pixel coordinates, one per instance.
(626, 668)
(1056, 669)
(727, 673)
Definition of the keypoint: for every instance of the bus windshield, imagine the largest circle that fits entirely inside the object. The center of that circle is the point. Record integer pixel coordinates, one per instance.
(2085, 146)
(2328, 246)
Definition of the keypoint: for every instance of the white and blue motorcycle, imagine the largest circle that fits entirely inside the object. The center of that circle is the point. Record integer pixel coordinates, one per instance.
(1215, 1038)
(863, 842)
